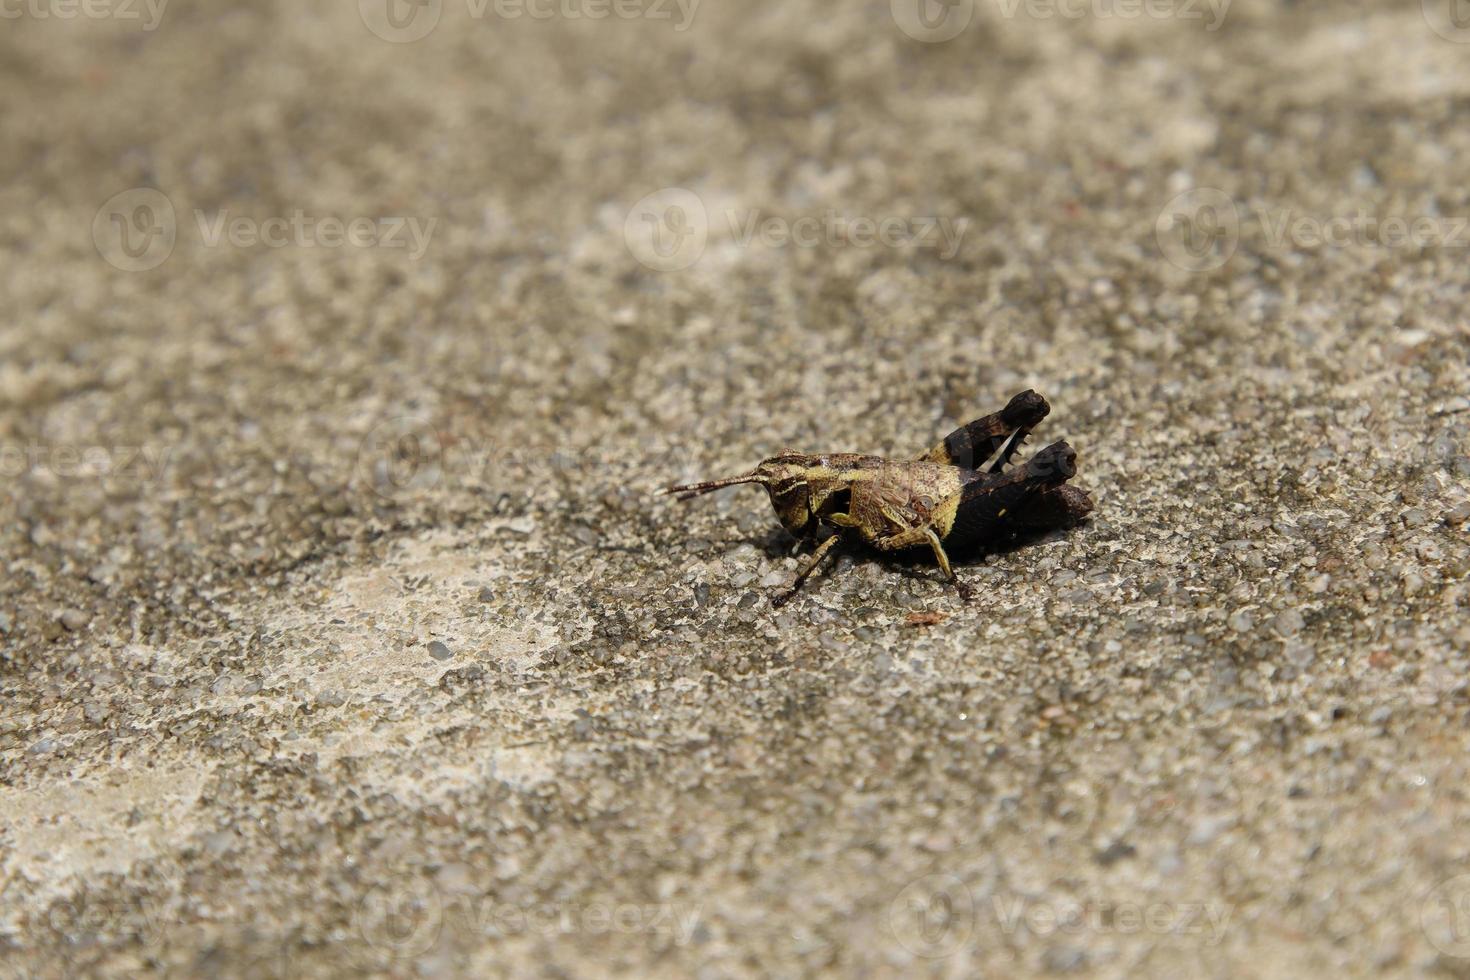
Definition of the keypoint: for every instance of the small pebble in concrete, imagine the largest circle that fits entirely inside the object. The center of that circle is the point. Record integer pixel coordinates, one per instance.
(73, 619)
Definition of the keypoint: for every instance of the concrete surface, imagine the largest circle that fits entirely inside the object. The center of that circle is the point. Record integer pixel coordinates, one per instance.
(343, 631)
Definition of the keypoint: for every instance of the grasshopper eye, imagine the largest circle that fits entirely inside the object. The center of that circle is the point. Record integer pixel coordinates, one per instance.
(790, 500)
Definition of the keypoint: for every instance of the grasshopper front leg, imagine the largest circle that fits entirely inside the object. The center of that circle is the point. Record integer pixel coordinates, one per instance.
(806, 570)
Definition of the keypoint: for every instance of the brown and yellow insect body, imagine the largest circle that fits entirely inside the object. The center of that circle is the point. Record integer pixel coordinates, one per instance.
(960, 493)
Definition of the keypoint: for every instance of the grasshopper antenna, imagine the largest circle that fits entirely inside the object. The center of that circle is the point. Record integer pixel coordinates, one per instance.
(689, 490)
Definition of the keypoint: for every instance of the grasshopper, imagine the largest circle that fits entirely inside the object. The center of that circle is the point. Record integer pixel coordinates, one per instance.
(944, 499)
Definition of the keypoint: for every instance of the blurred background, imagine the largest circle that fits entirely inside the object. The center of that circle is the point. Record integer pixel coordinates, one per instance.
(345, 344)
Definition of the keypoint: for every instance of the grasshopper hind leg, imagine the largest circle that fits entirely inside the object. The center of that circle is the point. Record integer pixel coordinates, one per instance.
(973, 444)
(1052, 508)
(966, 593)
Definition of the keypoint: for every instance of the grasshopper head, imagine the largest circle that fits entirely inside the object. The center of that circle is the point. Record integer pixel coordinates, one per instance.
(786, 478)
